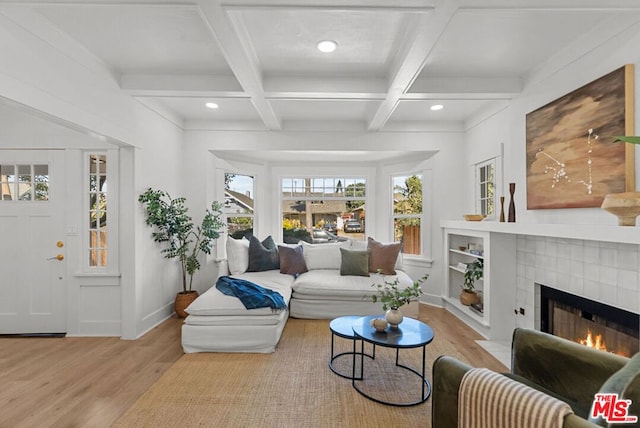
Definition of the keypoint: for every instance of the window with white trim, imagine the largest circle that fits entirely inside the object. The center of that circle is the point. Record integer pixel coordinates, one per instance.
(239, 204)
(486, 187)
(407, 212)
(97, 210)
(334, 205)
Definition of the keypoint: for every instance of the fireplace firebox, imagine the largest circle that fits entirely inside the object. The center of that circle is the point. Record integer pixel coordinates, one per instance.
(589, 322)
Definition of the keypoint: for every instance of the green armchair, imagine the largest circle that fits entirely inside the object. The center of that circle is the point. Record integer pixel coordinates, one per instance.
(563, 369)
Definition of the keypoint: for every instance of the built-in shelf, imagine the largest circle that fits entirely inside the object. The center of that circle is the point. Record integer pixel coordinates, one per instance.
(466, 311)
(496, 287)
(466, 253)
(457, 269)
(588, 232)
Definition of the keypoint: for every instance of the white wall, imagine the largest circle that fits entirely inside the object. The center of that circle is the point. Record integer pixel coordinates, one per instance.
(83, 100)
(157, 165)
(549, 83)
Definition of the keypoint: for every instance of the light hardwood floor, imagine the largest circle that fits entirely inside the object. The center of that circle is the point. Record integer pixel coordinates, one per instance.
(90, 382)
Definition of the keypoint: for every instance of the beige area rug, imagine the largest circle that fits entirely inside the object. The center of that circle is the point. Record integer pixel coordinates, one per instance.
(292, 387)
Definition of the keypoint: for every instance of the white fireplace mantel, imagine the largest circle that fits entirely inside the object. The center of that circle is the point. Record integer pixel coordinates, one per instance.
(588, 232)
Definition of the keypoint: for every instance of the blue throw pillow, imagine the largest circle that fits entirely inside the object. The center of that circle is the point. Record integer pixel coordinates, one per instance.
(263, 255)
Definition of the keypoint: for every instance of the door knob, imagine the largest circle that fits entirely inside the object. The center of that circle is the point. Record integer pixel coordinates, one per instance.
(59, 257)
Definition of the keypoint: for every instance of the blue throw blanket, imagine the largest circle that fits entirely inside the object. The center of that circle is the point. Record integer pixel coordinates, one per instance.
(251, 295)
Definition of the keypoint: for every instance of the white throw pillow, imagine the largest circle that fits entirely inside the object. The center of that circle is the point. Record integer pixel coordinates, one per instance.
(237, 255)
(323, 256)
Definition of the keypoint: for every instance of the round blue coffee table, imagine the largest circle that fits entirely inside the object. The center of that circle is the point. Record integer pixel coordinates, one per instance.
(343, 327)
(410, 333)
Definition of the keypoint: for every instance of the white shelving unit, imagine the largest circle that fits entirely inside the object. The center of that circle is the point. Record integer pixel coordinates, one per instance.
(496, 288)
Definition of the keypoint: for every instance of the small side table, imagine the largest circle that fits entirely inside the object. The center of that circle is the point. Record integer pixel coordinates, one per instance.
(343, 328)
(410, 333)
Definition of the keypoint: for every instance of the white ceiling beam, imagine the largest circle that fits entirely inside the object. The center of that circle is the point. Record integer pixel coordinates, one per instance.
(238, 56)
(334, 88)
(189, 85)
(224, 125)
(417, 6)
(464, 87)
(161, 110)
(410, 62)
(551, 5)
(42, 28)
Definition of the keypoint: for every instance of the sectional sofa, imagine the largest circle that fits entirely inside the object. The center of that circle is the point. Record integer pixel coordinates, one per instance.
(321, 281)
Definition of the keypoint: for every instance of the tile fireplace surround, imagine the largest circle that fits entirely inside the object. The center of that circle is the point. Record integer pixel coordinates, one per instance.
(606, 272)
(595, 262)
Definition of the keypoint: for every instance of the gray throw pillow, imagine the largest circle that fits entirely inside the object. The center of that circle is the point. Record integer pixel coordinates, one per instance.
(263, 255)
(292, 260)
(354, 262)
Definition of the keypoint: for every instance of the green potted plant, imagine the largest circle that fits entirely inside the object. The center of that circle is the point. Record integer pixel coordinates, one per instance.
(627, 139)
(180, 239)
(392, 298)
(474, 272)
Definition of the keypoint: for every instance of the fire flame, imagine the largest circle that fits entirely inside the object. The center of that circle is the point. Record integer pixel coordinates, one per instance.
(589, 341)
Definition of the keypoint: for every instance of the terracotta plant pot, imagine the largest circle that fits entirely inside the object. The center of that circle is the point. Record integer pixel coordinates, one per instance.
(182, 301)
(469, 297)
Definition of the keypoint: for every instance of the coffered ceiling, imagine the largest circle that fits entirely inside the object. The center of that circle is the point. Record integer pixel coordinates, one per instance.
(257, 59)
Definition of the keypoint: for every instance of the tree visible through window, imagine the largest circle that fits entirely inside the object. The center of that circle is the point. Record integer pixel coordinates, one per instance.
(407, 212)
(485, 175)
(97, 181)
(239, 204)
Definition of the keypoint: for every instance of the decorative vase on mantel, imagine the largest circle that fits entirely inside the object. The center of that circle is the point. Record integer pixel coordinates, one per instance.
(393, 317)
(626, 206)
(512, 203)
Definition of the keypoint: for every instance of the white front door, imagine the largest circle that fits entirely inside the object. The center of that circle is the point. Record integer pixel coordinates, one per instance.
(32, 246)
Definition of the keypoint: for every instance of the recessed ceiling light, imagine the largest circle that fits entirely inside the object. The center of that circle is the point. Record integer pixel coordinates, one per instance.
(436, 107)
(327, 46)
(211, 105)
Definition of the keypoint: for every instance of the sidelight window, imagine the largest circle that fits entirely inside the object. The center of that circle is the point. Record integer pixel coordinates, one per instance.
(97, 210)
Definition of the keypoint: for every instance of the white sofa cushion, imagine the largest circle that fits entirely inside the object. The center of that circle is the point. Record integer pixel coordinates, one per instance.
(237, 255)
(213, 302)
(323, 256)
(328, 284)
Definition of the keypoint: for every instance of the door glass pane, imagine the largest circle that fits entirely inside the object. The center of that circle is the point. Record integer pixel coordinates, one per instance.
(24, 183)
(41, 182)
(97, 257)
(7, 182)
